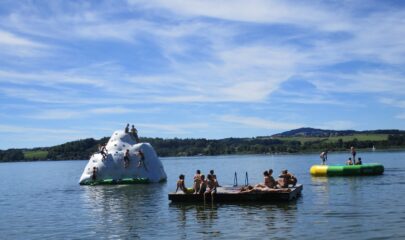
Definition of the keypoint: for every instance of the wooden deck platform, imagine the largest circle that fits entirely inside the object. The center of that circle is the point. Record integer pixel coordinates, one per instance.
(233, 194)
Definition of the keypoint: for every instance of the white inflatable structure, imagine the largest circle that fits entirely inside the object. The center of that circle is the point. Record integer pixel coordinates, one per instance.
(143, 165)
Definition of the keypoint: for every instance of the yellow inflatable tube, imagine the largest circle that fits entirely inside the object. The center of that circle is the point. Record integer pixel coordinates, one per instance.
(319, 170)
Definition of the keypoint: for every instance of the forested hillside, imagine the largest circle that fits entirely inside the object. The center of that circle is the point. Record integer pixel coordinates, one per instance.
(83, 149)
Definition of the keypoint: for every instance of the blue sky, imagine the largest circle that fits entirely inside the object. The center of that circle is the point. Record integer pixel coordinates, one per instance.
(76, 69)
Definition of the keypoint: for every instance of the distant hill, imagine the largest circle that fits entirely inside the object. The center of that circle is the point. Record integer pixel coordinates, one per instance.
(314, 132)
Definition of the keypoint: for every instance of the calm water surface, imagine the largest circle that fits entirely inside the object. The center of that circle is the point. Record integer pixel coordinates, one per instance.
(43, 200)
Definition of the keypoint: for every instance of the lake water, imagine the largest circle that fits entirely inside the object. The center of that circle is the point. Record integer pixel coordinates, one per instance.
(43, 200)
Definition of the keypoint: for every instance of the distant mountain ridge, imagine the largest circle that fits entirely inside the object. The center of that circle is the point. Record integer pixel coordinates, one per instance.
(315, 132)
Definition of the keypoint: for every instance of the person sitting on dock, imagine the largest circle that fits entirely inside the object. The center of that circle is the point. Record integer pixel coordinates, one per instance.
(197, 181)
(358, 162)
(286, 178)
(324, 156)
(126, 159)
(211, 185)
(273, 183)
(266, 183)
(214, 176)
(203, 185)
(349, 161)
(181, 185)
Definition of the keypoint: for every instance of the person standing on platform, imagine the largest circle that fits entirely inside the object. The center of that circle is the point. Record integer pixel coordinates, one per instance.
(324, 157)
(134, 133)
(127, 128)
(353, 152)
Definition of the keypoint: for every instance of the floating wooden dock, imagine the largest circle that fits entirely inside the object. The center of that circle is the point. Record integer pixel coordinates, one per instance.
(233, 194)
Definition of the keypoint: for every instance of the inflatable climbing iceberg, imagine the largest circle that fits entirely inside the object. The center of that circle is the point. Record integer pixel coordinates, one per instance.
(123, 161)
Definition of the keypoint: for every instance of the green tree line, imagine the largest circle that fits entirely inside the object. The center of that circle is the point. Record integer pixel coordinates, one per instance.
(83, 149)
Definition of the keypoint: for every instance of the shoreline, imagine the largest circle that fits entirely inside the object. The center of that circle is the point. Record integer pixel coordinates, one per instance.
(233, 154)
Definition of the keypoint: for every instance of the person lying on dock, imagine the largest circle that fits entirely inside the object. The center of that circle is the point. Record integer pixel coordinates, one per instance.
(246, 189)
(197, 181)
(285, 179)
(181, 185)
(251, 189)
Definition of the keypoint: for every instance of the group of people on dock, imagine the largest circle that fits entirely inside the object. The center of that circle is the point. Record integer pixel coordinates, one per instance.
(209, 185)
(350, 161)
(201, 184)
(285, 179)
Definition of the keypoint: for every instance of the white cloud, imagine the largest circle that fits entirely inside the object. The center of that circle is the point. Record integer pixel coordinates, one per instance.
(11, 40)
(14, 45)
(337, 125)
(260, 123)
(55, 114)
(64, 114)
(376, 81)
(7, 128)
(401, 116)
(174, 129)
(393, 102)
(257, 11)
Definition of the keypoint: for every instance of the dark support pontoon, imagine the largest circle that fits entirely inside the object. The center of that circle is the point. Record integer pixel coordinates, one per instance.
(233, 194)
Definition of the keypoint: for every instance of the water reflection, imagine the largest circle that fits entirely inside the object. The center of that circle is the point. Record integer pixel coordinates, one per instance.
(320, 188)
(280, 218)
(122, 208)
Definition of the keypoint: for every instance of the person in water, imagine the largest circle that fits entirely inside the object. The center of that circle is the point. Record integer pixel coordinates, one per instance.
(126, 159)
(286, 178)
(349, 161)
(353, 152)
(359, 162)
(94, 174)
(127, 128)
(181, 185)
(324, 156)
(197, 181)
